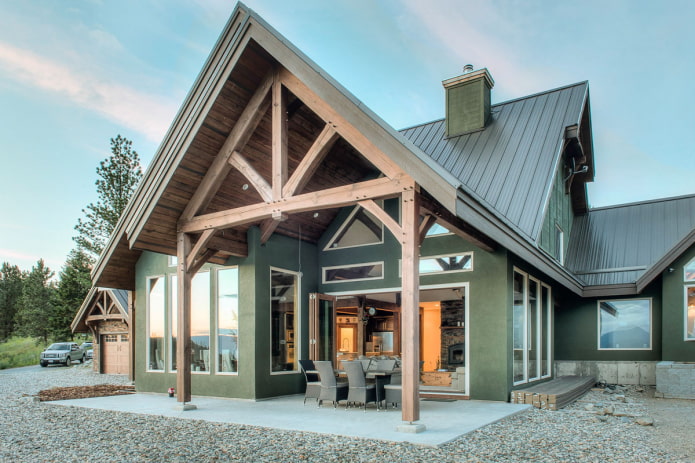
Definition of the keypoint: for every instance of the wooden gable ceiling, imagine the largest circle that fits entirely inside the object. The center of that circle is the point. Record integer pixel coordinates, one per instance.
(342, 165)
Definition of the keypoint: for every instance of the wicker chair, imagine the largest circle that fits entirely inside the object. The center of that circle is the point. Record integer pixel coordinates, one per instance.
(331, 389)
(359, 391)
(313, 384)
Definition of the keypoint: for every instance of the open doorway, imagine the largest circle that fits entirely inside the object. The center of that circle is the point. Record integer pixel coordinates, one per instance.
(368, 326)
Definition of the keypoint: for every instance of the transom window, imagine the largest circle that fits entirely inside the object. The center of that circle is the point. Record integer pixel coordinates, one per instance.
(625, 324)
(446, 263)
(436, 230)
(356, 272)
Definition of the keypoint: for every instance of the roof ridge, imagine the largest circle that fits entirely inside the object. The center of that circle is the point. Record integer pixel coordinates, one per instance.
(640, 203)
(533, 95)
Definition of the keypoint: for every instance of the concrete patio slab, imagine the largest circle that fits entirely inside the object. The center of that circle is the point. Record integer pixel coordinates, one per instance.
(444, 421)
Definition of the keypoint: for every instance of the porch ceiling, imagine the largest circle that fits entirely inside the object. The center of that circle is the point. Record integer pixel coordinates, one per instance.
(342, 165)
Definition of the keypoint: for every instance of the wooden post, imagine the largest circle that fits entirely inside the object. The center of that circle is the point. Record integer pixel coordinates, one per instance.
(183, 341)
(410, 301)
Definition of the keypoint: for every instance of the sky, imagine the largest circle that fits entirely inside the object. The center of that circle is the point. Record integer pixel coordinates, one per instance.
(74, 74)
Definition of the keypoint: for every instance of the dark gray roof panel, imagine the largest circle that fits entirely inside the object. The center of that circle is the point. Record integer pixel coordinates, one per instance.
(509, 166)
(616, 245)
(122, 296)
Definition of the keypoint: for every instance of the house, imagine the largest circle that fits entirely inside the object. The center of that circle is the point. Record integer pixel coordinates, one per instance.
(280, 219)
(105, 314)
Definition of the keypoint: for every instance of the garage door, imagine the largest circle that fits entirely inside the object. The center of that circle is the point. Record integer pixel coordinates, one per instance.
(115, 354)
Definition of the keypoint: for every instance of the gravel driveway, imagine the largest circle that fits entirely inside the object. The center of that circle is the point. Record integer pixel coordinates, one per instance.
(41, 432)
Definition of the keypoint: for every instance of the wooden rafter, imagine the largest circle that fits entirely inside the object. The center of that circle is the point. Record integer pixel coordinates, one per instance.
(353, 136)
(381, 214)
(238, 161)
(455, 225)
(311, 161)
(240, 134)
(427, 221)
(324, 199)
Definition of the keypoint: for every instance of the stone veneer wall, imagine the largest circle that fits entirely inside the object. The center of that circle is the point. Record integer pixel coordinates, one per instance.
(675, 380)
(453, 315)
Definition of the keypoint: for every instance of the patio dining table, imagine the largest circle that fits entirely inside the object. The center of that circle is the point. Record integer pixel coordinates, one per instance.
(380, 377)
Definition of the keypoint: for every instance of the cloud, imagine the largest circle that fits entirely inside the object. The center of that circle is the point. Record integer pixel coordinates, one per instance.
(142, 112)
(465, 30)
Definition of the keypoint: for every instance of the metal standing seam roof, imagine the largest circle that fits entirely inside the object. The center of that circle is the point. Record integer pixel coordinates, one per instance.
(618, 244)
(121, 295)
(509, 166)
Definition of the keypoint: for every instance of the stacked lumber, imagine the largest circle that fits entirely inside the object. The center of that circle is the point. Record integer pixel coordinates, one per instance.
(554, 394)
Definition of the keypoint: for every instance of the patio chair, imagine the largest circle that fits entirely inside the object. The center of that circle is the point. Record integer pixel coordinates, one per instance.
(359, 391)
(393, 392)
(331, 388)
(313, 383)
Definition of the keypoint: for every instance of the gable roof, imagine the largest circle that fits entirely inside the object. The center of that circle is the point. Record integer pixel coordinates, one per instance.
(247, 50)
(118, 296)
(624, 247)
(509, 166)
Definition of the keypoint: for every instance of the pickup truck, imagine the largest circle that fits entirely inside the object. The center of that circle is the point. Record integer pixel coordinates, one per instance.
(61, 353)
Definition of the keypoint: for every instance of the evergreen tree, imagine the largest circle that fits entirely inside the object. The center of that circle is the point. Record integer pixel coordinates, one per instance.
(36, 305)
(10, 292)
(72, 288)
(119, 175)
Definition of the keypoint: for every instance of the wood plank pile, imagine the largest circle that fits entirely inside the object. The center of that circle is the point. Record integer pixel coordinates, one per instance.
(554, 394)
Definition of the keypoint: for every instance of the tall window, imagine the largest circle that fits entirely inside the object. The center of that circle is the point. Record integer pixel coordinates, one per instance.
(532, 329)
(689, 277)
(200, 322)
(559, 244)
(283, 319)
(227, 319)
(625, 324)
(173, 317)
(155, 324)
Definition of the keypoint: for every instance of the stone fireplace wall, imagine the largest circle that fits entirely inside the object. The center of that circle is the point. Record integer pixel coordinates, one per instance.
(453, 332)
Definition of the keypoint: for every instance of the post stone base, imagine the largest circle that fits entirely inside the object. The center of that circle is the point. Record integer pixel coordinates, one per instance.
(412, 428)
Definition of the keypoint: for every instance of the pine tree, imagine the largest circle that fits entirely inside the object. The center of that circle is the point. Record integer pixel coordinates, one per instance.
(72, 288)
(119, 175)
(36, 304)
(10, 292)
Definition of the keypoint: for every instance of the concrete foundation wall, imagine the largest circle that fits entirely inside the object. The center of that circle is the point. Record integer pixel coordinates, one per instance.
(612, 372)
(675, 380)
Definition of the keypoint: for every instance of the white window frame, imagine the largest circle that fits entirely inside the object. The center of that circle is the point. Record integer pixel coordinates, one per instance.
(685, 313)
(540, 327)
(172, 289)
(434, 235)
(147, 323)
(345, 223)
(456, 254)
(297, 321)
(172, 261)
(651, 325)
(210, 321)
(685, 275)
(216, 322)
(361, 264)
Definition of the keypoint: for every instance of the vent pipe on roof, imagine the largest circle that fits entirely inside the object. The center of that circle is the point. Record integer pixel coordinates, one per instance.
(468, 101)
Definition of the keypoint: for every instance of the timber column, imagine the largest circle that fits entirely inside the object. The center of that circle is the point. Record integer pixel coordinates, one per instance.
(410, 302)
(183, 341)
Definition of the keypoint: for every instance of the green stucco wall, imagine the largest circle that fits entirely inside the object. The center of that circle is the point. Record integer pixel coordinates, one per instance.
(576, 329)
(559, 212)
(253, 379)
(675, 348)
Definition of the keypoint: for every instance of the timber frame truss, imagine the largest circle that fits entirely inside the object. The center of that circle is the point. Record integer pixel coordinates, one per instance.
(284, 196)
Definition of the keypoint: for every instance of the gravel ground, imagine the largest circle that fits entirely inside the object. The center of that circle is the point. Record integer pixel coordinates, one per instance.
(582, 432)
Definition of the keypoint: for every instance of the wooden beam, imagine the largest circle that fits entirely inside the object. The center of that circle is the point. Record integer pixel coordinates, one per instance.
(240, 134)
(92, 318)
(427, 221)
(324, 199)
(199, 246)
(311, 161)
(183, 332)
(201, 260)
(381, 214)
(230, 246)
(238, 161)
(279, 137)
(346, 130)
(410, 302)
(456, 225)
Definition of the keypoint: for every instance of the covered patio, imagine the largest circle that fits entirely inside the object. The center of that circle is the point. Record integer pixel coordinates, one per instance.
(446, 420)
